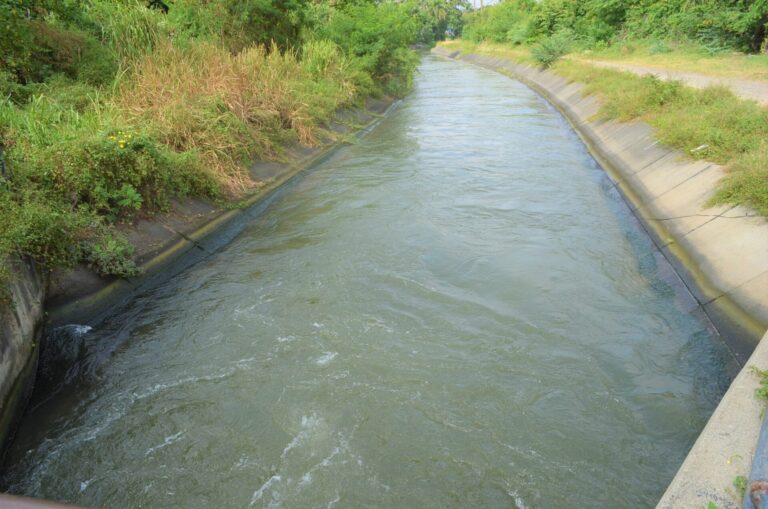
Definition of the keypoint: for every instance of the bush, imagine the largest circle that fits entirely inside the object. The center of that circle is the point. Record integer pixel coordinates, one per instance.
(747, 181)
(548, 51)
(122, 172)
(717, 24)
(40, 227)
(109, 253)
(15, 37)
(496, 22)
(658, 47)
(376, 37)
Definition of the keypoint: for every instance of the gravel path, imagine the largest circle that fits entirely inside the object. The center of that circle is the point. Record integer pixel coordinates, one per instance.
(746, 89)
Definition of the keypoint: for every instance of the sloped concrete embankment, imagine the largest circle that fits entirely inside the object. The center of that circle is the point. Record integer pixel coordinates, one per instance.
(720, 253)
(21, 324)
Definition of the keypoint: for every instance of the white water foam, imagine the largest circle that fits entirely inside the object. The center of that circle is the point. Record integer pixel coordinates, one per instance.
(518, 500)
(81, 329)
(334, 501)
(308, 424)
(326, 358)
(260, 492)
(168, 441)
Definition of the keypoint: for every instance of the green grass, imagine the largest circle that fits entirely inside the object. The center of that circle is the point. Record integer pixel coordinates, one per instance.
(740, 483)
(683, 56)
(521, 54)
(762, 391)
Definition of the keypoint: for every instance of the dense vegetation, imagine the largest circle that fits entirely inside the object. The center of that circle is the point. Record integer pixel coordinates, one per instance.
(715, 24)
(109, 109)
(711, 124)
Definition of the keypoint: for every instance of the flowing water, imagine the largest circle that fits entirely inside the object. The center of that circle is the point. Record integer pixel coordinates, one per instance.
(458, 311)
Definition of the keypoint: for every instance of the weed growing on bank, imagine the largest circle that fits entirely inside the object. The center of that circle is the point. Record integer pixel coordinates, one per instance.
(762, 391)
(549, 50)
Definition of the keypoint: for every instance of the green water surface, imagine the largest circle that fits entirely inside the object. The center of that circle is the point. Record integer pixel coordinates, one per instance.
(459, 311)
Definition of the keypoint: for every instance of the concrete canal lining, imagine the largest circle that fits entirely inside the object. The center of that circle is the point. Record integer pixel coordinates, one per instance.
(20, 331)
(720, 252)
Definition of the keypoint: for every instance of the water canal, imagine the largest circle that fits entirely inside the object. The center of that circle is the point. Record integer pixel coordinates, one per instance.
(458, 311)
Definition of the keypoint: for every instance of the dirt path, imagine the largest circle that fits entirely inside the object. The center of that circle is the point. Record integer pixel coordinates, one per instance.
(746, 89)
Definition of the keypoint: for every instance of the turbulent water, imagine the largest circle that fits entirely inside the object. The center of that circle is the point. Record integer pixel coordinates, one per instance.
(458, 311)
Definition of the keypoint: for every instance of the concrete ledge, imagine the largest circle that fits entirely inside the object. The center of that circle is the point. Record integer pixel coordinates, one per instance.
(721, 254)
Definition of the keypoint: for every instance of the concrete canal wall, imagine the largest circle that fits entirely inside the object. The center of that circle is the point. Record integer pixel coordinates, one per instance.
(21, 324)
(720, 253)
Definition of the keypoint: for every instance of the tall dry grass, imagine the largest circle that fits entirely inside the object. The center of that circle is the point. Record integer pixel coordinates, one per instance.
(233, 108)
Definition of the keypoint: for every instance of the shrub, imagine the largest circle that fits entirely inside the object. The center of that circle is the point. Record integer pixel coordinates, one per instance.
(109, 253)
(40, 227)
(717, 24)
(119, 173)
(376, 37)
(548, 51)
(15, 37)
(658, 47)
(747, 181)
(496, 22)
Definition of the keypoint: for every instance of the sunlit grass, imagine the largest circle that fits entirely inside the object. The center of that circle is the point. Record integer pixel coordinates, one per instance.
(683, 57)
(232, 109)
(521, 54)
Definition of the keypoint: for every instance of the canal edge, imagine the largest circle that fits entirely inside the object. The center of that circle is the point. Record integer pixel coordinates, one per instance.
(184, 249)
(628, 152)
